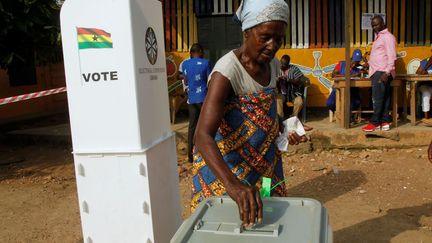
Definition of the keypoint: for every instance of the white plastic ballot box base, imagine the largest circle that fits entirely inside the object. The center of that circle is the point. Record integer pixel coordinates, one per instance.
(129, 197)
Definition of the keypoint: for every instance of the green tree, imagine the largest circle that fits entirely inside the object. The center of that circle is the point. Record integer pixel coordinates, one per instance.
(29, 34)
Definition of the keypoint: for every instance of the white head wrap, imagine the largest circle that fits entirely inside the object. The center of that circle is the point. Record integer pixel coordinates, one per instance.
(254, 12)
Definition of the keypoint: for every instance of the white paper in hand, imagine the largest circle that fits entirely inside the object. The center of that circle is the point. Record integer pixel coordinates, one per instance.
(292, 124)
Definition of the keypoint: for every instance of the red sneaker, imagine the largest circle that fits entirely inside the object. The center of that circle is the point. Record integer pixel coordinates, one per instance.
(385, 126)
(371, 127)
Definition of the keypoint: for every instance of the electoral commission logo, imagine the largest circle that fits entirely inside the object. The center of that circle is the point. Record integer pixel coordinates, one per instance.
(151, 45)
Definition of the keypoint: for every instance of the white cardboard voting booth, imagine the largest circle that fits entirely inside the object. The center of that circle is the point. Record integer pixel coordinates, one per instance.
(124, 151)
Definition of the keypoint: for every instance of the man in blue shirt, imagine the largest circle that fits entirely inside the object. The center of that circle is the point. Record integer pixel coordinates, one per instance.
(356, 67)
(426, 89)
(195, 72)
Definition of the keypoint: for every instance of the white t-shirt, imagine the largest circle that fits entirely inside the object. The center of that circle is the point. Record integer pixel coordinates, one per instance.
(242, 83)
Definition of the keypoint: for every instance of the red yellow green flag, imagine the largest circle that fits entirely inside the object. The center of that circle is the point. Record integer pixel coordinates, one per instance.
(93, 38)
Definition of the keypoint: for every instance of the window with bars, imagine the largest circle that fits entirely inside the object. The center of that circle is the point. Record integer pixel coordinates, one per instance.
(418, 22)
(314, 23)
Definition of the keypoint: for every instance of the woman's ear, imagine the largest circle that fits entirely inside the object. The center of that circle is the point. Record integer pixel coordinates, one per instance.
(246, 34)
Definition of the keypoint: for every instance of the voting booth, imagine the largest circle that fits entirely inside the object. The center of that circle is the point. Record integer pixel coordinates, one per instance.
(124, 150)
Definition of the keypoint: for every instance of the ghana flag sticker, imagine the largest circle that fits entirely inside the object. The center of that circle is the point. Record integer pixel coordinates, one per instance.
(93, 38)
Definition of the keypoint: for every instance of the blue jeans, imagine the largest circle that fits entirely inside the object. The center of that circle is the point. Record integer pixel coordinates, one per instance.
(381, 95)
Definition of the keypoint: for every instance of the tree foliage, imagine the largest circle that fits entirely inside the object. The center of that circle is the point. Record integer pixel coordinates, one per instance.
(29, 32)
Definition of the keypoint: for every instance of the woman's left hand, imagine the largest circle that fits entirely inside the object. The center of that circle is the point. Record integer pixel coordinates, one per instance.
(294, 138)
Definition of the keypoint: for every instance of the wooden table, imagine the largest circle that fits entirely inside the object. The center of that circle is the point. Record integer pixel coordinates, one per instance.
(413, 80)
(339, 84)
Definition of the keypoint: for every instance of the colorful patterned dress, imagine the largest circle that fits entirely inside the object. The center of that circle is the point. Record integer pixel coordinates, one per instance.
(246, 140)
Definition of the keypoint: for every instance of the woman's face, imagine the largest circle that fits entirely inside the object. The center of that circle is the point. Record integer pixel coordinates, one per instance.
(263, 41)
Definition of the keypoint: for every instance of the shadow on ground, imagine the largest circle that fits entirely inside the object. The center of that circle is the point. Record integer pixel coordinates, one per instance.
(330, 185)
(373, 230)
(35, 160)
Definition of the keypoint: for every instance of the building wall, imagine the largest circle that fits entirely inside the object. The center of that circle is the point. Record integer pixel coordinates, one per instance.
(317, 64)
(314, 23)
(48, 77)
(315, 37)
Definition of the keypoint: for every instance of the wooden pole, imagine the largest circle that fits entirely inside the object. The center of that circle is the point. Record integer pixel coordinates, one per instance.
(347, 95)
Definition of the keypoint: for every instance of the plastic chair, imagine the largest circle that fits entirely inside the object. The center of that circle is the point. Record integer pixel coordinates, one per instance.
(306, 82)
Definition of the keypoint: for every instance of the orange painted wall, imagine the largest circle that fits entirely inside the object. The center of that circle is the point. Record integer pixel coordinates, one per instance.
(318, 92)
(50, 76)
(173, 60)
(326, 58)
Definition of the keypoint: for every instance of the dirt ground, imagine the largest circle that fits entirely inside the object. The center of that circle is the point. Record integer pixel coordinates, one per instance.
(371, 195)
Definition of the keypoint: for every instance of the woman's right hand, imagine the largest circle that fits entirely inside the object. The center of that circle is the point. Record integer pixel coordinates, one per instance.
(248, 201)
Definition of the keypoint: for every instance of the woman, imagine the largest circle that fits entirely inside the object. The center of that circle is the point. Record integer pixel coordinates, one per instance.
(238, 125)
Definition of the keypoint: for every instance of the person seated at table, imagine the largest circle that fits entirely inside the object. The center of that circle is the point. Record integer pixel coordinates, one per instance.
(426, 89)
(292, 83)
(355, 71)
(356, 67)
